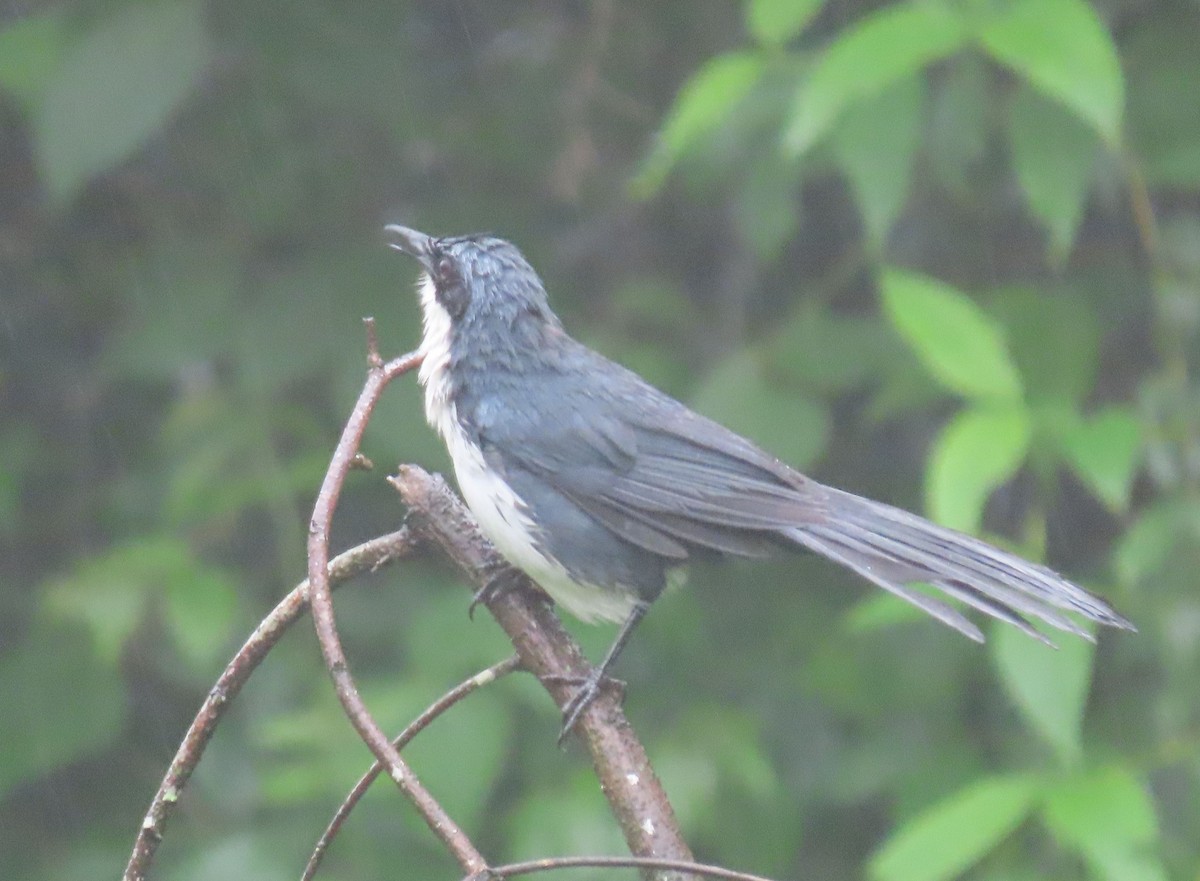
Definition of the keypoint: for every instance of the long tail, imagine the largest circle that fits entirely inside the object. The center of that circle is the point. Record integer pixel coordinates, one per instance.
(895, 549)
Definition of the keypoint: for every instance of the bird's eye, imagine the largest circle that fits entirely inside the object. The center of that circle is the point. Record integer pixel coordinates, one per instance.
(451, 291)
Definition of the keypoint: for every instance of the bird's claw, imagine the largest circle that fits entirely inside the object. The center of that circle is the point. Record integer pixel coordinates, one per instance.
(587, 689)
(501, 579)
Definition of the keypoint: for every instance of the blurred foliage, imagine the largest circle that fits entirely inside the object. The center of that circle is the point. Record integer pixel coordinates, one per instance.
(927, 249)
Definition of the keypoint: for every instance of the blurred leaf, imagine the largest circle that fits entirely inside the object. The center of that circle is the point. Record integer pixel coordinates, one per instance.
(181, 308)
(1062, 48)
(958, 132)
(1104, 451)
(226, 456)
(768, 208)
(308, 318)
(116, 88)
(199, 611)
(774, 22)
(1108, 816)
(718, 743)
(452, 646)
(569, 819)
(30, 50)
(957, 832)
(701, 105)
(960, 345)
(1148, 546)
(1164, 118)
(1049, 685)
(833, 353)
(62, 704)
(885, 46)
(978, 450)
(878, 611)
(109, 593)
(1053, 155)
(789, 425)
(1061, 369)
(875, 142)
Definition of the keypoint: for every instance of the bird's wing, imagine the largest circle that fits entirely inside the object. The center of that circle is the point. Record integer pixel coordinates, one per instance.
(651, 471)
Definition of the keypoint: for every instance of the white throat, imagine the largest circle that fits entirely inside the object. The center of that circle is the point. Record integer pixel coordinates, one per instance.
(435, 351)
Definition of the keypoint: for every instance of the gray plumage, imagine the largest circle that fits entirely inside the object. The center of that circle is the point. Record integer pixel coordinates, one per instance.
(594, 481)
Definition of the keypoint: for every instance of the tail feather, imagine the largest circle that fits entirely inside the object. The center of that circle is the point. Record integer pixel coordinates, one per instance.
(894, 549)
(977, 600)
(853, 560)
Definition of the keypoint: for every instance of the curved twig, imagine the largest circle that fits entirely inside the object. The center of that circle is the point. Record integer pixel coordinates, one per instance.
(435, 816)
(366, 557)
(449, 699)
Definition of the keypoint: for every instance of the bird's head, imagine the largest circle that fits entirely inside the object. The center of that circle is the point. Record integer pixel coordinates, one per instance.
(477, 290)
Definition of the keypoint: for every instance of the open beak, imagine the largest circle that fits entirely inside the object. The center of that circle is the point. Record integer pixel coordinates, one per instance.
(414, 244)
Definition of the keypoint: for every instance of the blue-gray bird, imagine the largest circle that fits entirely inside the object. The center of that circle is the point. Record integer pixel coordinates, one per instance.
(600, 487)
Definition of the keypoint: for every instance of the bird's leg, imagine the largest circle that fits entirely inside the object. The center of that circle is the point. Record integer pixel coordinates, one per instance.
(588, 687)
(501, 578)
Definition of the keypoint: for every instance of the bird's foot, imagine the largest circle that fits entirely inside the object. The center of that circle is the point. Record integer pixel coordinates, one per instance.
(501, 578)
(587, 689)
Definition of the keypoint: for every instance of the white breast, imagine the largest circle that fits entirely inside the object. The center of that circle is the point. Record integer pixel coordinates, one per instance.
(502, 514)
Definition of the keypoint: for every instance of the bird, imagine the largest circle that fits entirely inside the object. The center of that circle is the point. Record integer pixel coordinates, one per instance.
(601, 488)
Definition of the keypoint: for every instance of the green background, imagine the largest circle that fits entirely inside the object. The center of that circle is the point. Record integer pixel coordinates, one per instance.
(946, 254)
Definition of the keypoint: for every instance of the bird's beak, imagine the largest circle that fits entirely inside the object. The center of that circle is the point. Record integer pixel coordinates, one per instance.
(414, 244)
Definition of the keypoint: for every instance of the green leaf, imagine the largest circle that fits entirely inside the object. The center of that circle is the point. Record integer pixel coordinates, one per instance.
(957, 832)
(886, 46)
(1105, 452)
(1108, 816)
(878, 611)
(701, 105)
(978, 450)
(568, 818)
(116, 88)
(108, 593)
(30, 50)
(1160, 58)
(738, 395)
(960, 346)
(1049, 686)
(774, 22)
(766, 207)
(829, 352)
(874, 144)
(1062, 373)
(958, 131)
(69, 705)
(1149, 545)
(200, 606)
(1061, 47)
(1053, 156)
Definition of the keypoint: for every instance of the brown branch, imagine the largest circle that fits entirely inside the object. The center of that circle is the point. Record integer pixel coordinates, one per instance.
(449, 699)
(366, 557)
(680, 866)
(626, 778)
(435, 816)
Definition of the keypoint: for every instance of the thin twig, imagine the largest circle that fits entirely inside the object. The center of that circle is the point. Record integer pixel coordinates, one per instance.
(1143, 208)
(366, 557)
(449, 699)
(435, 816)
(550, 863)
